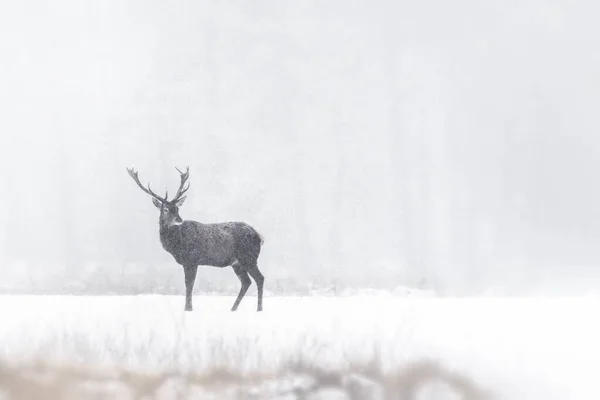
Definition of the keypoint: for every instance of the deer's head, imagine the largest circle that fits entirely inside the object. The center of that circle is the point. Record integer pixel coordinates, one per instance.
(169, 209)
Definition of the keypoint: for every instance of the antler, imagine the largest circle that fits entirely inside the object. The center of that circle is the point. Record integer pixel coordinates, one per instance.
(134, 175)
(184, 177)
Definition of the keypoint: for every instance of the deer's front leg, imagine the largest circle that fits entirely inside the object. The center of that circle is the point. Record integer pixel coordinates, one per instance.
(190, 276)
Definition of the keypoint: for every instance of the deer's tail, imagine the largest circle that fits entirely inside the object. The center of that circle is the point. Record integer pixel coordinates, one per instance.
(262, 239)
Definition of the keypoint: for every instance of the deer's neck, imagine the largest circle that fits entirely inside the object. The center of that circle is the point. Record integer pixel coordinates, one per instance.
(166, 226)
(165, 222)
(170, 236)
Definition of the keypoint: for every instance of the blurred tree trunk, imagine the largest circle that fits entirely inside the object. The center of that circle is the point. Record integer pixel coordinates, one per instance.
(291, 99)
(401, 150)
(337, 217)
(14, 229)
(67, 206)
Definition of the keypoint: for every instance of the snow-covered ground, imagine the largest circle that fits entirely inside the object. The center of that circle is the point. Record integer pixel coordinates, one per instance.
(518, 348)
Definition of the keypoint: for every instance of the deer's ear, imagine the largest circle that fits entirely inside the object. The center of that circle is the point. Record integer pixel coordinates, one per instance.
(156, 203)
(181, 201)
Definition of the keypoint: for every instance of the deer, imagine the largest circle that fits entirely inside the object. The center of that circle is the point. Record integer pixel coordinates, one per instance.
(193, 243)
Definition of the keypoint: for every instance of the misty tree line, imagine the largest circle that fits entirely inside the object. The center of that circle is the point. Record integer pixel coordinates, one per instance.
(367, 148)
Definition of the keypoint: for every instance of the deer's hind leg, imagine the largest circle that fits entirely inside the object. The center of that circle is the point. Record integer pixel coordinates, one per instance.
(242, 275)
(259, 279)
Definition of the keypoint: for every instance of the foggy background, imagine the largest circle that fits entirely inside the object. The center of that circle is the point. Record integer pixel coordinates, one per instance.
(446, 145)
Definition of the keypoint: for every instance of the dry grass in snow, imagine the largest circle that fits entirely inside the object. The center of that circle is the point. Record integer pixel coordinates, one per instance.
(353, 347)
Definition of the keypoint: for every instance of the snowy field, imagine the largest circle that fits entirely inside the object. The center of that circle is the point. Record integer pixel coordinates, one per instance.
(517, 348)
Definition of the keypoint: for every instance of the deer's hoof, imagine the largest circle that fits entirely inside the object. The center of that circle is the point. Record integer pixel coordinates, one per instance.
(188, 309)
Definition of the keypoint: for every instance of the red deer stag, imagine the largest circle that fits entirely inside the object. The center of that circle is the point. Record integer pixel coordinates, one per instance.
(193, 243)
